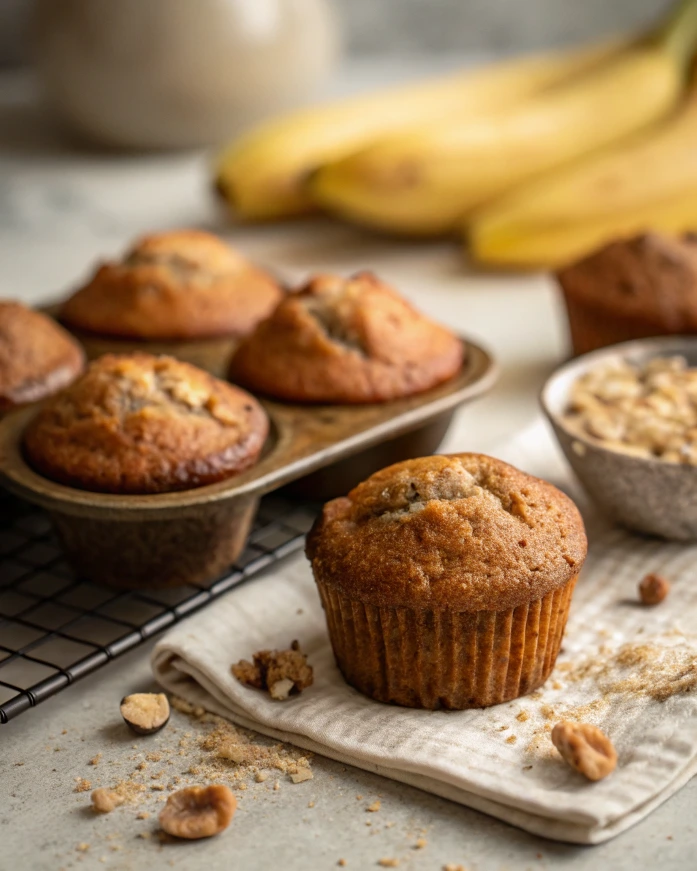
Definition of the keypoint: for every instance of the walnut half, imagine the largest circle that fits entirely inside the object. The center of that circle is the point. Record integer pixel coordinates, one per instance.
(198, 811)
(585, 748)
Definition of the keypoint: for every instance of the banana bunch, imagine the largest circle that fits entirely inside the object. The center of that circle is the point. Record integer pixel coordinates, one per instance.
(262, 175)
(647, 183)
(425, 179)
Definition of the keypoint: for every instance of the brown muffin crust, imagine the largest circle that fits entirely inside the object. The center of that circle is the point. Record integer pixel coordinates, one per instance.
(136, 423)
(464, 532)
(631, 289)
(180, 285)
(37, 357)
(346, 341)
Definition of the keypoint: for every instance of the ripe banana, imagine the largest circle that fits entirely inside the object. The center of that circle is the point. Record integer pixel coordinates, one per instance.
(424, 180)
(648, 183)
(262, 173)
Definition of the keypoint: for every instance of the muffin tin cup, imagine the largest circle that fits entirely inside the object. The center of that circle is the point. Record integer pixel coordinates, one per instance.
(446, 659)
(190, 536)
(211, 354)
(192, 549)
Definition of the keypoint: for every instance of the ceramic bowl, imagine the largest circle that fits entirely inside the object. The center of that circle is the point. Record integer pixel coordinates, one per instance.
(645, 495)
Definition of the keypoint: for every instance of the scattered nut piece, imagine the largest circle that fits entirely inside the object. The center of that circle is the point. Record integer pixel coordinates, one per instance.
(198, 811)
(653, 589)
(281, 672)
(585, 748)
(374, 807)
(301, 775)
(105, 800)
(145, 713)
(82, 785)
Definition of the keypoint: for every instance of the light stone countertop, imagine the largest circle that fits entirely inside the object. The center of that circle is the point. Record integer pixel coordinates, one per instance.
(59, 210)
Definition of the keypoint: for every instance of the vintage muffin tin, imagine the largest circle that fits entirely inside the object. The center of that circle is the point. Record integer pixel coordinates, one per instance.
(190, 536)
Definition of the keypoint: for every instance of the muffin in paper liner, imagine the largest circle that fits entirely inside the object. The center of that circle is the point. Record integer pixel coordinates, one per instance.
(447, 580)
(446, 659)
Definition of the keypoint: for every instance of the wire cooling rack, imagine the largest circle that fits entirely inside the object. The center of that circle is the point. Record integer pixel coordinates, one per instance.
(56, 627)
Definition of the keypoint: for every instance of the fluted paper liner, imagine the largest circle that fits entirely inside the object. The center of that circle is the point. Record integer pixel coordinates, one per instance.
(446, 659)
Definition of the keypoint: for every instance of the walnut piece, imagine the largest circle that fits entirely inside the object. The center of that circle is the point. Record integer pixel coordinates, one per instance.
(585, 748)
(281, 672)
(145, 713)
(198, 811)
(105, 800)
(653, 589)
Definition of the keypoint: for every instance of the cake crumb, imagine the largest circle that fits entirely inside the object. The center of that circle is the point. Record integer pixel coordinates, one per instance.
(511, 739)
(301, 775)
(359, 797)
(523, 716)
(82, 785)
(143, 815)
(502, 728)
(95, 759)
(388, 863)
(277, 786)
(281, 672)
(451, 866)
(374, 807)
(83, 847)
(106, 800)
(153, 756)
(144, 835)
(261, 776)
(342, 863)
(420, 843)
(310, 804)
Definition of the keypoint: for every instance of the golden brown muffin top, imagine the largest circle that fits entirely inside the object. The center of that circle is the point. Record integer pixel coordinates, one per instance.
(652, 276)
(346, 341)
(184, 284)
(136, 423)
(464, 532)
(37, 357)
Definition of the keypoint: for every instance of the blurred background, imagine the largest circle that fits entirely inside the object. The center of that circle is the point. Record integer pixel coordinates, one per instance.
(423, 26)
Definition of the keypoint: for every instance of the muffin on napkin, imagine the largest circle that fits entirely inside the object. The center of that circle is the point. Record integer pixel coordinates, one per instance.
(37, 357)
(143, 424)
(184, 284)
(632, 289)
(346, 341)
(446, 580)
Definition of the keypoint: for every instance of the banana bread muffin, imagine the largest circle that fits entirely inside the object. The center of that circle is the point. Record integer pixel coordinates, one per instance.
(446, 580)
(37, 357)
(346, 341)
(179, 285)
(632, 289)
(143, 424)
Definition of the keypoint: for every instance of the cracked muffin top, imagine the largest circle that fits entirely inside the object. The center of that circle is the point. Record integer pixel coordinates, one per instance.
(37, 357)
(651, 278)
(346, 341)
(136, 423)
(464, 532)
(179, 285)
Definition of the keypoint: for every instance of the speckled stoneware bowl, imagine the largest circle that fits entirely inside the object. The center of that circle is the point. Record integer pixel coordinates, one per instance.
(645, 495)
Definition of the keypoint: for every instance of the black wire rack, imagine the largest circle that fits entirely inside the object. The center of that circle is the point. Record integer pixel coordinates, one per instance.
(56, 628)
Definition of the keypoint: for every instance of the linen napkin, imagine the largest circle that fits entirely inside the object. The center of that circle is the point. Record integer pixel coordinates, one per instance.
(631, 669)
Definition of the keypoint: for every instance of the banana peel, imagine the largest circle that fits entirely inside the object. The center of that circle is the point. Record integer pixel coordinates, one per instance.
(647, 183)
(262, 174)
(424, 180)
